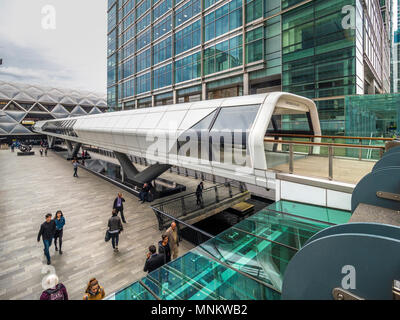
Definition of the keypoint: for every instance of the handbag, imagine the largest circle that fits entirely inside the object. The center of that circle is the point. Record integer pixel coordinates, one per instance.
(107, 237)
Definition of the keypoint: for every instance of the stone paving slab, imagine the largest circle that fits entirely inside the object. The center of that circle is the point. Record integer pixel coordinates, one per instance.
(33, 186)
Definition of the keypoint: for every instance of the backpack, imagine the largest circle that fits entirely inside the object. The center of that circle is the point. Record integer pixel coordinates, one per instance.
(56, 294)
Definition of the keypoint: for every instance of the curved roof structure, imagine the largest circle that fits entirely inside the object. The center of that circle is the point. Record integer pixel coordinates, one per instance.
(30, 103)
(34, 93)
(223, 137)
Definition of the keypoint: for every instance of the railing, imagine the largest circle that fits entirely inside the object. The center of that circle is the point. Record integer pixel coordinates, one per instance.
(182, 206)
(290, 135)
(330, 146)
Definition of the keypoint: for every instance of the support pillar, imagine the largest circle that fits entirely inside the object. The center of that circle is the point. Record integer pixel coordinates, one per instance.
(204, 91)
(246, 87)
(51, 141)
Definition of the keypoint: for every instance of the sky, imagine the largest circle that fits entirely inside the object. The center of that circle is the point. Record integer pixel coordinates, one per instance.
(69, 54)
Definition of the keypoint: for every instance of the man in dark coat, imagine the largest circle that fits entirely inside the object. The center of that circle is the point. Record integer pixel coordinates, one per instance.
(119, 206)
(47, 232)
(154, 260)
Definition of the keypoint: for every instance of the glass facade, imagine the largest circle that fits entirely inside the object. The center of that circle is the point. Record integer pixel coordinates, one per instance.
(295, 46)
(246, 262)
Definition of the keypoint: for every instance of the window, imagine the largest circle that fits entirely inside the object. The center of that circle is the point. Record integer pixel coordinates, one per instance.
(223, 20)
(162, 50)
(187, 11)
(162, 27)
(128, 89)
(142, 8)
(188, 68)
(162, 8)
(162, 76)
(143, 40)
(254, 9)
(112, 42)
(188, 37)
(236, 118)
(143, 23)
(254, 45)
(143, 60)
(128, 68)
(143, 83)
(112, 69)
(223, 56)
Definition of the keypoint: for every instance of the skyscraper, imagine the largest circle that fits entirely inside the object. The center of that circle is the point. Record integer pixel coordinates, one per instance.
(166, 51)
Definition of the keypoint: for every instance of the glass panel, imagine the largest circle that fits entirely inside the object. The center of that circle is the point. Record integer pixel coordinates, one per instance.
(195, 277)
(313, 212)
(236, 118)
(259, 258)
(134, 292)
(281, 228)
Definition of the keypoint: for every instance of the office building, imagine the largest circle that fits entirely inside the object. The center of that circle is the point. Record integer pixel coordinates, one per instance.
(164, 52)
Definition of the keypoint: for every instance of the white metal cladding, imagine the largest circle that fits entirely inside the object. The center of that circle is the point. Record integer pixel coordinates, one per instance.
(134, 132)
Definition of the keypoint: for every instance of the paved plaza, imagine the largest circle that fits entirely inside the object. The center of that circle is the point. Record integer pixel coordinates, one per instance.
(34, 186)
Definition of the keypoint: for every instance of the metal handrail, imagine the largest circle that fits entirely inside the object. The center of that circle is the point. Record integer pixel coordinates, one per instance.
(330, 151)
(326, 137)
(327, 144)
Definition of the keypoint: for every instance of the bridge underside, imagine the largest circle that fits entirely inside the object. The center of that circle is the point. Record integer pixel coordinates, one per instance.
(140, 178)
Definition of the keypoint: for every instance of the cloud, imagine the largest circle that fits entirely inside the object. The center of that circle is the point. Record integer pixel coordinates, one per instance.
(72, 56)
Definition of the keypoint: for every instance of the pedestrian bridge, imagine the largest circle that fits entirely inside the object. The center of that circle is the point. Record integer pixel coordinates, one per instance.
(270, 142)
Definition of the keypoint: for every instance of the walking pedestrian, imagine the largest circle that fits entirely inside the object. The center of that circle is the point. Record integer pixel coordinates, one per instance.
(47, 232)
(173, 240)
(114, 229)
(55, 290)
(75, 165)
(119, 206)
(164, 249)
(41, 152)
(199, 193)
(60, 222)
(153, 261)
(45, 151)
(94, 291)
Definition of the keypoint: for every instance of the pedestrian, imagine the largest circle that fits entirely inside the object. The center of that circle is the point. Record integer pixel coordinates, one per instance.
(75, 164)
(114, 229)
(173, 240)
(55, 290)
(47, 232)
(45, 151)
(143, 196)
(199, 193)
(164, 249)
(119, 206)
(153, 261)
(60, 222)
(94, 291)
(41, 152)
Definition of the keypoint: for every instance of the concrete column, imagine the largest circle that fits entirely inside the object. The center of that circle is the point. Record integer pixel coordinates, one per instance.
(153, 101)
(175, 96)
(51, 141)
(69, 146)
(204, 91)
(246, 87)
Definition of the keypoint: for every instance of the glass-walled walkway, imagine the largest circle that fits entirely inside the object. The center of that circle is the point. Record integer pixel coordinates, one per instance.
(245, 262)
